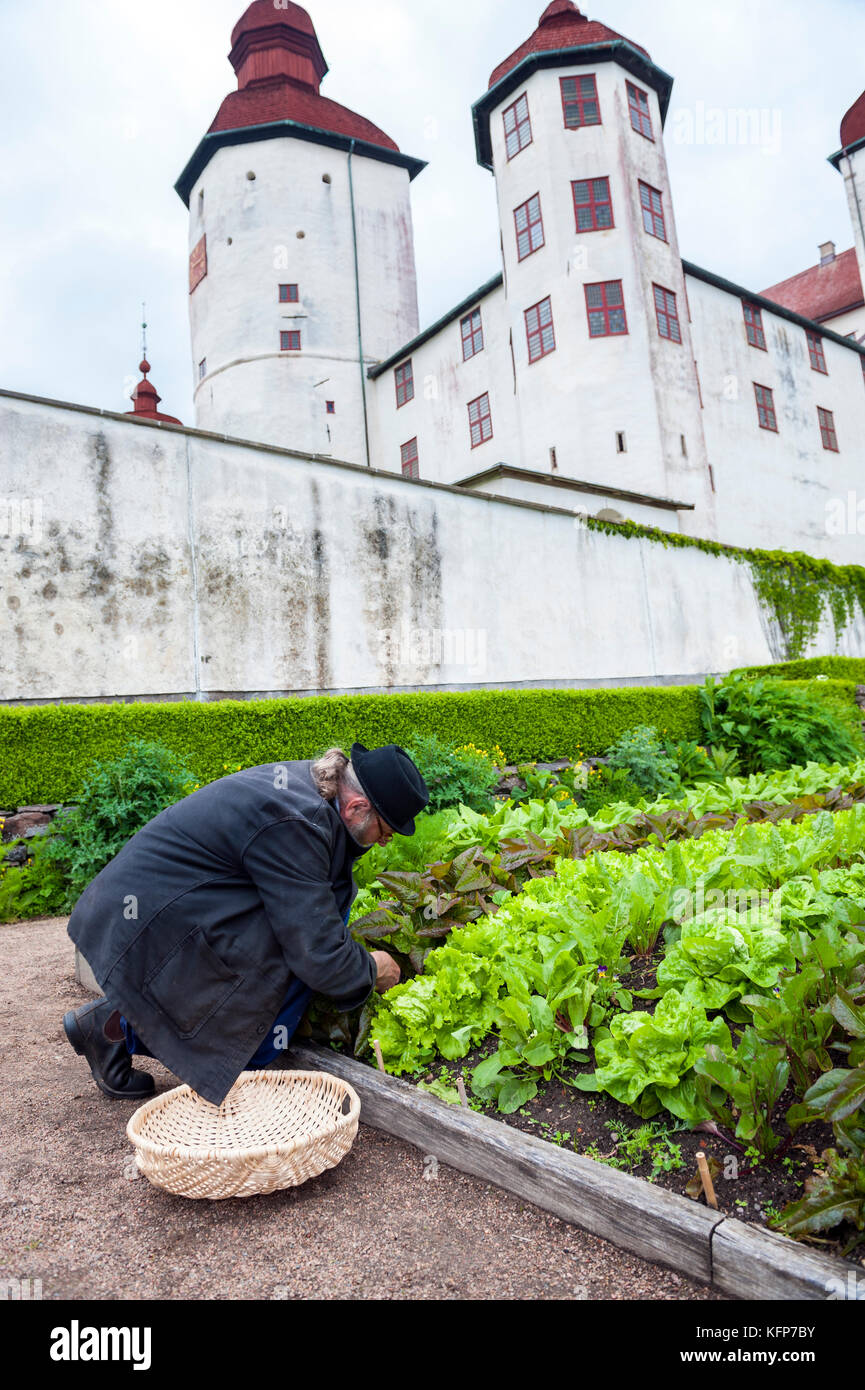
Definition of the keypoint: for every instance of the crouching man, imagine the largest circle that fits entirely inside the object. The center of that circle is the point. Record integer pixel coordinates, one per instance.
(212, 927)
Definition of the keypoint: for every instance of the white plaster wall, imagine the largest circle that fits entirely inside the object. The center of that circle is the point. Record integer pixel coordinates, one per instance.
(251, 389)
(853, 322)
(578, 500)
(181, 565)
(443, 386)
(773, 490)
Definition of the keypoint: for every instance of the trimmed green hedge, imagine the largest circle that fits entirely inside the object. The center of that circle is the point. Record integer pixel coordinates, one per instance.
(46, 750)
(846, 668)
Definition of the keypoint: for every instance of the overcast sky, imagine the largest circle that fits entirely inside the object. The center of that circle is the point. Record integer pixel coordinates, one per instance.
(105, 101)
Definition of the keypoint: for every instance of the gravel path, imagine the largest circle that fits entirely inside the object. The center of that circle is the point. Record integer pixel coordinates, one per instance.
(74, 1214)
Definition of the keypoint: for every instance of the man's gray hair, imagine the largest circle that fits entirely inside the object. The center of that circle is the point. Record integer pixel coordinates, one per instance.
(334, 775)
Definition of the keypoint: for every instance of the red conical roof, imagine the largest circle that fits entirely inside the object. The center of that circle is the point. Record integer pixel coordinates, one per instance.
(561, 26)
(279, 64)
(853, 124)
(145, 399)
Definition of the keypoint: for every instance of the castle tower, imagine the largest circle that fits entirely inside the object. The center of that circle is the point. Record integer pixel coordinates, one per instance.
(572, 129)
(301, 271)
(850, 163)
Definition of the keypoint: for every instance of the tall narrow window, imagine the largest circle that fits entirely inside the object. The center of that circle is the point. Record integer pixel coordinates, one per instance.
(202, 369)
(404, 383)
(827, 429)
(539, 330)
(816, 353)
(593, 208)
(638, 106)
(472, 334)
(290, 341)
(580, 104)
(754, 325)
(765, 408)
(667, 314)
(518, 126)
(409, 459)
(288, 294)
(605, 306)
(529, 227)
(480, 420)
(330, 407)
(652, 207)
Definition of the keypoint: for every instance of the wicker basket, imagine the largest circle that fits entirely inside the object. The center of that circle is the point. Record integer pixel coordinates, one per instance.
(274, 1129)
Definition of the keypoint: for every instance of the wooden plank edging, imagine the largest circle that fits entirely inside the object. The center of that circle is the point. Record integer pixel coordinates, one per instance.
(739, 1260)
(659, 1226)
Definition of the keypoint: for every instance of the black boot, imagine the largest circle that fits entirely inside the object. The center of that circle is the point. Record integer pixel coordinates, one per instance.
(96, 1033)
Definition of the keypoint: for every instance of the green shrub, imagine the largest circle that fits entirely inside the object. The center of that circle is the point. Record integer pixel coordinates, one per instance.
(774, 724)
(641, 754)
(454, 776)
(606, 785)
(46, 750)
(36, 888)
(117, 799)
(846, 668)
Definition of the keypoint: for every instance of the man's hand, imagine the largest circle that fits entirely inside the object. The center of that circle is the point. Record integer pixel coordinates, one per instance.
(387, 971)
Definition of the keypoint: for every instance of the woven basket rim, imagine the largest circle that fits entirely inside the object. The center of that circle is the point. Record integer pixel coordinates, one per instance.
(230, 1156)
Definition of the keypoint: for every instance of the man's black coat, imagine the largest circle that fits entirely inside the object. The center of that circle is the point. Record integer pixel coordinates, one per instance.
(196, 928)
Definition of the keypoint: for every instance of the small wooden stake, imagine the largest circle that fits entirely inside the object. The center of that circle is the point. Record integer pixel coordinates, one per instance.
(378, 1057)
(706, 1179)
(461, 1087)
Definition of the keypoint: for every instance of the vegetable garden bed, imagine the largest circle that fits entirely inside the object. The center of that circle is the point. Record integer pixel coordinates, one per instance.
(664, 978)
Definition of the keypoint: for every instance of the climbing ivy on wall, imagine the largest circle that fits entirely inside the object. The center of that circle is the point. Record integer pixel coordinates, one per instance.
(795, 589)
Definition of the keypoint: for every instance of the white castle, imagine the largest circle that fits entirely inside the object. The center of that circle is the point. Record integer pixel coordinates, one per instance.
(595, 371)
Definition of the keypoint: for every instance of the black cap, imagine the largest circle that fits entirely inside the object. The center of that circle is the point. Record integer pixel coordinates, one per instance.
(391, 783)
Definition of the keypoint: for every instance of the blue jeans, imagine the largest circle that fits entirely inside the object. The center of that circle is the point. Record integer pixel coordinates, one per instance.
(289, 1016)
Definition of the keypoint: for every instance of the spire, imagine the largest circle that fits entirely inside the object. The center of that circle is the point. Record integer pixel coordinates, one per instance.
(145, 398)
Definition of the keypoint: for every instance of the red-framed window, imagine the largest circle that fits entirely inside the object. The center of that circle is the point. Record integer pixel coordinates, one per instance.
(605, 307)
(404, 381)
(754, 325)
(518, 126)
(290, 341)
(765, 408)
(480, 420)
(593, 207)
(638, 106)
(409, 460)
(667, 314)
(652, 207)
(330, 407)
(816, 353)
(540, 333)
(580, 104)
(289, 294)
(472, 332)
(827, 429)
(529, 227)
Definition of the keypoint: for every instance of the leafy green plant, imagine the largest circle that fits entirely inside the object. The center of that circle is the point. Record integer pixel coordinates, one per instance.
(607, 786)
(753, 1082)
(643, 757)
(771, 725)
(454, 776)
(36, 888)
(117, 799)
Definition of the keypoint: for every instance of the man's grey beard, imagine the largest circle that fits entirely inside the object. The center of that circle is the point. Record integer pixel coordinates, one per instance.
(366, 827)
